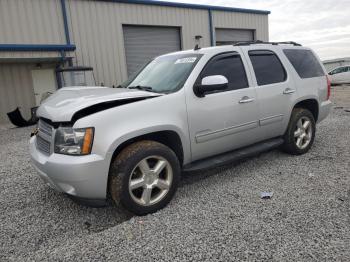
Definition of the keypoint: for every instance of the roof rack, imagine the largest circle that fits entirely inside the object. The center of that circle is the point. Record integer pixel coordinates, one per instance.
(269, 43)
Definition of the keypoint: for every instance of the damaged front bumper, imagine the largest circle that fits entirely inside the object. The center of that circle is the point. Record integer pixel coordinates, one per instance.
(79, 176)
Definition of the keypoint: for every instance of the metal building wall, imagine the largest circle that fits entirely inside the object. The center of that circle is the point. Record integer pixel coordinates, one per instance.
(31, 22)
(96, 29)
(16, 89)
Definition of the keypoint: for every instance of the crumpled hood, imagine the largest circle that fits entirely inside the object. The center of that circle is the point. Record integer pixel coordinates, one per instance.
(63, 104)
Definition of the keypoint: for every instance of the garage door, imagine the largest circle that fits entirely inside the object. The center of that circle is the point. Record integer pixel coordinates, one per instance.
(231, 36)
(143, 43)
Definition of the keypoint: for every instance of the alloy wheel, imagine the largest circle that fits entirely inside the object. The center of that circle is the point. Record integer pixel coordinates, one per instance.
(303, 132)
(150, 180)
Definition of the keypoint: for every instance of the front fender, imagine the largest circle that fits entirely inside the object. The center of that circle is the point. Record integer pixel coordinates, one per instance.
(148, 130)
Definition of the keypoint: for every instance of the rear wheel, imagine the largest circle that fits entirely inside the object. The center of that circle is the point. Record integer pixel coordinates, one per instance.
(300, 134)
(144, 177)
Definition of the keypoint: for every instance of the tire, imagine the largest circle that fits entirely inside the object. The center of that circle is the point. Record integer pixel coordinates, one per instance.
(295, 133)
(133, 180)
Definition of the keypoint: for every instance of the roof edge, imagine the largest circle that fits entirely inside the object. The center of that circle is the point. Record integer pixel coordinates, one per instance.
(191, 6)
(36, 47)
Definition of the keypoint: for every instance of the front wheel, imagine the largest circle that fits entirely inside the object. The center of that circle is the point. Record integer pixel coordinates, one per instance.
(144, 177)
(300, 134)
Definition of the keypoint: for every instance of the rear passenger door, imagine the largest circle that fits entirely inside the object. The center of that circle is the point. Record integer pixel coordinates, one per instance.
(276, 93)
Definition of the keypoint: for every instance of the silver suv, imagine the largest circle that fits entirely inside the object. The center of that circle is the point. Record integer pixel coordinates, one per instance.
(182, 111)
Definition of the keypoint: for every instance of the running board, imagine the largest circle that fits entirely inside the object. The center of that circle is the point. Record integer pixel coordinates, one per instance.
(233, 156)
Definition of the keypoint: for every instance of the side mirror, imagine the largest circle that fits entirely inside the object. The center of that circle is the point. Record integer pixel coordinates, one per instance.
(211, 84)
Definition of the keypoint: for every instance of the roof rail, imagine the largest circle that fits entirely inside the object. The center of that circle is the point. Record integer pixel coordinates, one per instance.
(269, 43)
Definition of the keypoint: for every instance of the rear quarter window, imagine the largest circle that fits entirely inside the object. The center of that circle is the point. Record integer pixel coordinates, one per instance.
(304, 62)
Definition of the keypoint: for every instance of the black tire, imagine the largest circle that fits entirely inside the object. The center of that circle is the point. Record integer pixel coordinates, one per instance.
(290, 144)
(124, 165)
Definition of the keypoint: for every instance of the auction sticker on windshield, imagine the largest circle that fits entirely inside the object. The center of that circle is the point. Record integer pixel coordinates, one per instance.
(186, 60)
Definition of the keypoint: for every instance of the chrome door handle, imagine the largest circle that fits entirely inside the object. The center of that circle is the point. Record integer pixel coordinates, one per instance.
(246, 99)
(288, 91)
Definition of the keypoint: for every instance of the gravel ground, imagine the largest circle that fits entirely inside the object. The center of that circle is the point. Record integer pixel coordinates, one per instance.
(216, 215)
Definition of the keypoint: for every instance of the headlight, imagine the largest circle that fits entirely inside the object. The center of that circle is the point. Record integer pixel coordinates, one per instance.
(74, 141)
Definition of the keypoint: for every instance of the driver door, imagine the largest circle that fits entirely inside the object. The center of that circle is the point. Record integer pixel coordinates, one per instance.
(223, 120)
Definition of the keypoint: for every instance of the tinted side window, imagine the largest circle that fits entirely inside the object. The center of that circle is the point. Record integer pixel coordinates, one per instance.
(344, 70)
(341, 70)
(267, 66)
(336, 71)
(304, 62)
(230, 66)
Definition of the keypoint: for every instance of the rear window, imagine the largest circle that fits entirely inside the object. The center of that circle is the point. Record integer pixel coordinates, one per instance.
(267, 67)
(304, 62)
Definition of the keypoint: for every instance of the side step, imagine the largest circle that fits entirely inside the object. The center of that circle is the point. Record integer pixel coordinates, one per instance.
(233, 156)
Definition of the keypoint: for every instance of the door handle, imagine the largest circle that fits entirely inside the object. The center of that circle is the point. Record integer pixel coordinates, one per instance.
(246, 99)
(288, 91)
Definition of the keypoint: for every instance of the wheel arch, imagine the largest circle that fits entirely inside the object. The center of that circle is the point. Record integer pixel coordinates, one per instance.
(169, 138)
(310, 104)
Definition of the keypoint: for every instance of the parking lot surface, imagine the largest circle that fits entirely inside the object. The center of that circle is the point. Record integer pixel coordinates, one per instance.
(216, 215)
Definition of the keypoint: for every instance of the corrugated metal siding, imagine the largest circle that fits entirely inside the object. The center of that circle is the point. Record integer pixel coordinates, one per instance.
(234, 20)
(31, 22)
(16, 89)
(97, 31)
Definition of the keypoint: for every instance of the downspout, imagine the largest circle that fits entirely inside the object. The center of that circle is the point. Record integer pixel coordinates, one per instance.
(65, 25)
(58, 75)
(211, 28)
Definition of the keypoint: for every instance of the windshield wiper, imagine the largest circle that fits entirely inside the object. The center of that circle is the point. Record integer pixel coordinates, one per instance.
(143, 88)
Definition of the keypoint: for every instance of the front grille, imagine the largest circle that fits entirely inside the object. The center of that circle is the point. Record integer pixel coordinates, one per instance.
(43, 145)
(45, 127)
(44, 137)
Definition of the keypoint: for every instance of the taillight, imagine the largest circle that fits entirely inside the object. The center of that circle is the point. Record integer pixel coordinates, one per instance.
(328, 87)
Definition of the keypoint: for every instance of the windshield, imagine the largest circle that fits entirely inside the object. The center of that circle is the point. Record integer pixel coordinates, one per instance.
(164, 74)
